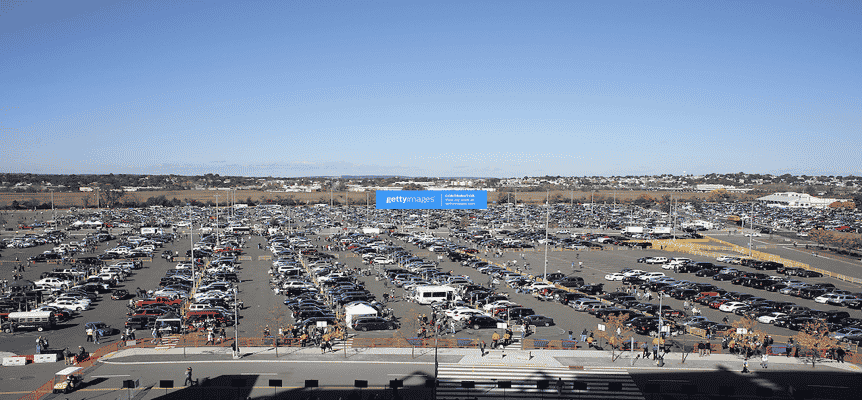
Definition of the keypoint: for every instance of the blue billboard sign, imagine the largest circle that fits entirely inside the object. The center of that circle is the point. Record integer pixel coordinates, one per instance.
(431, 199)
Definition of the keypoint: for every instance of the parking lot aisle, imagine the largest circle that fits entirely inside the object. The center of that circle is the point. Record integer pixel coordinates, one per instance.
(262, 306)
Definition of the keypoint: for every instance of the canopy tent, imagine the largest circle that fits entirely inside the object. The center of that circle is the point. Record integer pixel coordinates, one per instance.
(351, 312)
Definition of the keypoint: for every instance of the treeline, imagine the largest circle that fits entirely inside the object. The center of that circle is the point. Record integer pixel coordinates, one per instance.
(839, 240)
(28, 183)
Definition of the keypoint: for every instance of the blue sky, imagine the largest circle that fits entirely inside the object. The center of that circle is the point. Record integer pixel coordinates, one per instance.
(430, 88)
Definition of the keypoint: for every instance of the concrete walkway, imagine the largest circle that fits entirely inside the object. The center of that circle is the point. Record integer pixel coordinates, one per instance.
(574, 359)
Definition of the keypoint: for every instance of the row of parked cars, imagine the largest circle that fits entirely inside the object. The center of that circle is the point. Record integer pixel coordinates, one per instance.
(214, 299)
(314, 289)
(779, 313)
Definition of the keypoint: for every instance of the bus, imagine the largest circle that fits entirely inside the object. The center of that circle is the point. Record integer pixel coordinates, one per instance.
(38, 320)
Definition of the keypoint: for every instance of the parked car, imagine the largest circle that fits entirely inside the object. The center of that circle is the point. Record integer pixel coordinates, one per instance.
(481, 321)
(101, 327)
(373, 323)
(537, 320)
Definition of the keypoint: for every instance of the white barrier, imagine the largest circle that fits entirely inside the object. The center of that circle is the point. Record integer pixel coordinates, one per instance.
(45, 358)
(14, 361)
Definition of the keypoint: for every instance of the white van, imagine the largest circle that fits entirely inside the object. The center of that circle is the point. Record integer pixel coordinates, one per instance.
(434, 294)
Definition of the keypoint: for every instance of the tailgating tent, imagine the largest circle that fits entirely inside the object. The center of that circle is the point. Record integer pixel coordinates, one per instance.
(358, 310)
(170, 323)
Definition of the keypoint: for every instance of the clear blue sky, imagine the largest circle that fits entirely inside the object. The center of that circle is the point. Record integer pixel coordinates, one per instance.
(431, 88)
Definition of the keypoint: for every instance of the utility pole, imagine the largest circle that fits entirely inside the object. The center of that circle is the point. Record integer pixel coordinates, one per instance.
(192, 251)
(235, 325)
(547, 217)
(216, 221)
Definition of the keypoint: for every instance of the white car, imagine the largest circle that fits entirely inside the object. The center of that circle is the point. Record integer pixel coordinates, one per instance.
(771, 317)
(54, 282)
(616, 276)
(656, 260)
(732, 306)
(297, 285)
(753, 234)
(462, 313)
(72, 305)
(652, 275)
(634, 272)
(498, 303)
(538, 286)
(563, 232)
(834, 298)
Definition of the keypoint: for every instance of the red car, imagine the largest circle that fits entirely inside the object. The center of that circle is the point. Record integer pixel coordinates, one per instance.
(715, 304)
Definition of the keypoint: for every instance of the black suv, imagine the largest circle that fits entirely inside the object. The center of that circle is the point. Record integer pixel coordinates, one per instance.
(373, 323)
(481, 321)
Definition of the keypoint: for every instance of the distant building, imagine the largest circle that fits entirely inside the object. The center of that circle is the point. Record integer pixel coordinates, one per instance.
(710, 187)
(795, 200)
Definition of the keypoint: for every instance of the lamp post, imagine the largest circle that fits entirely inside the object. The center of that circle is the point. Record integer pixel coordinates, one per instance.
(52, 205)
(216, 221)
(436, 364)
(660, 341)
(547, 217)
(192, 251)
(235, 325)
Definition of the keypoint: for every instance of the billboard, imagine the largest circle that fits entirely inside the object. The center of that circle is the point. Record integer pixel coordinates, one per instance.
(431, 199)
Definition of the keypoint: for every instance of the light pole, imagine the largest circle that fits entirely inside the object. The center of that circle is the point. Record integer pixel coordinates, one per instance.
(52, 206)
(192, 250)
(235, 325)
(659, 361)
(216, 221)
(547, 217)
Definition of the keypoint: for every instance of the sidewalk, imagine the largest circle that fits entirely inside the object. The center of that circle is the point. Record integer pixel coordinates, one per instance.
(570, 359)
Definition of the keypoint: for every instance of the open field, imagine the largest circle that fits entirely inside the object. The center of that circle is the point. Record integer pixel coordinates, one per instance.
(90, 199)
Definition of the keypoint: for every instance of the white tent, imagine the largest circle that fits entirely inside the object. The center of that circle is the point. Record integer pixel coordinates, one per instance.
(358, 310)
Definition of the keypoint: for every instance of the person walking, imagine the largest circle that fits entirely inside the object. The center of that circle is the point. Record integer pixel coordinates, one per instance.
(96, 336)
(482, 348)
(188, 381)
(590, 341)
(840, 353)
(210, 338)
(89, 334)
(584, 335)
(764, 360)
(495, 340)
(745, 366)
(67, 356)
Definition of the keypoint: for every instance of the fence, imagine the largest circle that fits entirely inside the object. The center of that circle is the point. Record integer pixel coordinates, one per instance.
(197, 340)
(415, 342)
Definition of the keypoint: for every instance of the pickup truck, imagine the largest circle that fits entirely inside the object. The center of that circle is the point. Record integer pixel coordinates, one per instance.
(159, 300)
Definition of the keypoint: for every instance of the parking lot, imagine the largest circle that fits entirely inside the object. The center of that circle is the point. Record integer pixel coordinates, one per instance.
(263, 307)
